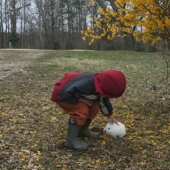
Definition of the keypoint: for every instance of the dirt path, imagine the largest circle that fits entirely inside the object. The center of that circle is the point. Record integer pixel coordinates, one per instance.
(12, 60)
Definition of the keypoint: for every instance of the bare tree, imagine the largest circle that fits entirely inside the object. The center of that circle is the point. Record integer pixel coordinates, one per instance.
(51, 24)
(1, 25)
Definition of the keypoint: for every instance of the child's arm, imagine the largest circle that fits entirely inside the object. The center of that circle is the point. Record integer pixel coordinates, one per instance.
(105, 106)
(107, 109)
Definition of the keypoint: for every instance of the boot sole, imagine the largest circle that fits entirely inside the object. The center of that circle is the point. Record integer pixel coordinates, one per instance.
(77, 149)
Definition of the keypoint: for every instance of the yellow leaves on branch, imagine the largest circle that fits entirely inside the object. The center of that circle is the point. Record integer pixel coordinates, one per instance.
(150, 18)
(108, 14)
(91, 3)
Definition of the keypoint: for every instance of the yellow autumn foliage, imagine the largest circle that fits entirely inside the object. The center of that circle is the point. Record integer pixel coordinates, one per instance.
(150, 18)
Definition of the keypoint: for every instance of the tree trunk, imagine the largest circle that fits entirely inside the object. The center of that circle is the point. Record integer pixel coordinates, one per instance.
(1, 26)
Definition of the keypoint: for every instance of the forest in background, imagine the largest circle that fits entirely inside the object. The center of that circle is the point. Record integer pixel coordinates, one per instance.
(55, 24)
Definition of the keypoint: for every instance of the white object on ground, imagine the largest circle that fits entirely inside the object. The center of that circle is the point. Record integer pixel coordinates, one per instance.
(115, 130)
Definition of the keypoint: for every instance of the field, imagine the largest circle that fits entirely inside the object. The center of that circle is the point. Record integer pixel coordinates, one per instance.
(33, 129)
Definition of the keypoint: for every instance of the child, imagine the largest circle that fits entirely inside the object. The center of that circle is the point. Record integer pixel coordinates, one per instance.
(82, 95)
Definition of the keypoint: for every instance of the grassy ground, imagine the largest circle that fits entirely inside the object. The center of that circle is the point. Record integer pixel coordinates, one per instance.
(33, 129)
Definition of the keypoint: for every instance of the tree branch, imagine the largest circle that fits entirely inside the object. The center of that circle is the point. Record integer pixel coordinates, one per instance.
(112, 3)
(101, 4)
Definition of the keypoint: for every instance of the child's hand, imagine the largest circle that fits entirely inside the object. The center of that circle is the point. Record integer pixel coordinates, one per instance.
(87, 102)
(114, 120)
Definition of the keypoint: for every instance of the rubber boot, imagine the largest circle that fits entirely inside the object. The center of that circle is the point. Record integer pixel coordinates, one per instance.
(85, 132)
(72, 141)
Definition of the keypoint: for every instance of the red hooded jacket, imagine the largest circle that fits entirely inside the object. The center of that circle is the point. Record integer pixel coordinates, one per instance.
(109, 84)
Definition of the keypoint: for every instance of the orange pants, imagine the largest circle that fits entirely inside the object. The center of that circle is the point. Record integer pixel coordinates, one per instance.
(79, 112)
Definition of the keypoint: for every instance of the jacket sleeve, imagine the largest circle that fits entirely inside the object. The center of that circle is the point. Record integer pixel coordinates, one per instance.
(72, 90)
(105, 106)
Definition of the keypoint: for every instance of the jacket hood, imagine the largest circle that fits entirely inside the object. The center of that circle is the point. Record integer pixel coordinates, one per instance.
(110, 83)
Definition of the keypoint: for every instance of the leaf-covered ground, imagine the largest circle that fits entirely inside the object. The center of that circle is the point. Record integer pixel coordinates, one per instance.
(33, 129)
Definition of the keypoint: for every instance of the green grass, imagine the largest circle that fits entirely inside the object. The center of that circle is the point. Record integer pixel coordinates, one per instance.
(33, 129)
